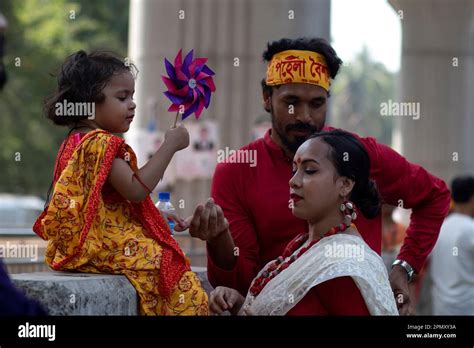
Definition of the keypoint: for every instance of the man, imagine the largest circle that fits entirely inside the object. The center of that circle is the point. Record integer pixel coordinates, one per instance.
(452, 260)
(258, 222)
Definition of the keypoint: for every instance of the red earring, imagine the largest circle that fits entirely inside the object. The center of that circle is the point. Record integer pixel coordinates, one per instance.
(347, 208)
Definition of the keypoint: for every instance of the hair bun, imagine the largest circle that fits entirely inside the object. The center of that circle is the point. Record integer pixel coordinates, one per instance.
(369, 202)
(80, 55)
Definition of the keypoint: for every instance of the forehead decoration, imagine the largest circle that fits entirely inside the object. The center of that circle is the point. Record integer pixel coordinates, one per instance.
(297, 66)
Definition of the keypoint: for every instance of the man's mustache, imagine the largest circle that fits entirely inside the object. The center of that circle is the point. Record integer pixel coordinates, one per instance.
(301, 127)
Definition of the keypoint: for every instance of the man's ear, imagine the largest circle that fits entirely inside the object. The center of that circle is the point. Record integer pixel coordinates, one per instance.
(267, 100)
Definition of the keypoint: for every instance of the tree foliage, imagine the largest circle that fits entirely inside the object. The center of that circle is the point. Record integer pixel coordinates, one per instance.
(40, 35)
(357, 93)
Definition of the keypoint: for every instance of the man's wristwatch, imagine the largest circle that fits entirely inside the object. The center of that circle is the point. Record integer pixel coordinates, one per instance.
(405, 265)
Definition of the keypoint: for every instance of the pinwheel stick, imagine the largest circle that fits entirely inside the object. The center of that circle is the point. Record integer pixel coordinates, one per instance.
(176, 119)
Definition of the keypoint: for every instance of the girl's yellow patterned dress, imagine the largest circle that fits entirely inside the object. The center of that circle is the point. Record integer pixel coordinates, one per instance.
(92, 228)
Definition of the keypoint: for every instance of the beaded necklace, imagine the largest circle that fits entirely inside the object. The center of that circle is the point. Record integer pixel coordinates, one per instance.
(284, 261)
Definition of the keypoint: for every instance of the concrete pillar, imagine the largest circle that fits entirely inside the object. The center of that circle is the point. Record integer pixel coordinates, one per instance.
(220, 30)
(437, 71)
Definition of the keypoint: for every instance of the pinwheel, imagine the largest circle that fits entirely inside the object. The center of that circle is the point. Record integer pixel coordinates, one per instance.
(189, 84)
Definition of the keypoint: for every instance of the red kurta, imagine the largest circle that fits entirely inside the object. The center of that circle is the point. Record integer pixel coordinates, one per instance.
(255, 200)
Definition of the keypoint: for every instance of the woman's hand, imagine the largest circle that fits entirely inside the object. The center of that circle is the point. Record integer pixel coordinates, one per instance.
(225, 299)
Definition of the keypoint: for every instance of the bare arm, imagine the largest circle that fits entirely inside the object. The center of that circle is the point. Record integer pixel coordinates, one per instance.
(222, 250)
(121, 175)
(232, 246)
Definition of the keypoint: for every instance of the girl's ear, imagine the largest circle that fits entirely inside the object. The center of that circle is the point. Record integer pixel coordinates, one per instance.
(344, 185)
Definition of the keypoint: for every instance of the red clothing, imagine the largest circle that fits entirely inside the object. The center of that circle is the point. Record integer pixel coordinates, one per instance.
(255, 200)
(338, 296)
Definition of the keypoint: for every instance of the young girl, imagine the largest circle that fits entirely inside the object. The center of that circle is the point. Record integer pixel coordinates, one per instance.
(100, 218)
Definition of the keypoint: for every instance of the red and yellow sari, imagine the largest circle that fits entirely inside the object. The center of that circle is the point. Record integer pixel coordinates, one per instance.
(91, 228)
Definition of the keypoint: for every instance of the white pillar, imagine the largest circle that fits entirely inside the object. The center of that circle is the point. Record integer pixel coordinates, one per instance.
(220, 30)
(437, 70)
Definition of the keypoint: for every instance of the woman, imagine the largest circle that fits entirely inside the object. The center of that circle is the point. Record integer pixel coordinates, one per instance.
(330, 270)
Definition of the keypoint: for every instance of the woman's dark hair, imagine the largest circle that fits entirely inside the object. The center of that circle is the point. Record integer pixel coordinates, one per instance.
(462, 189)
(352, 160)
(81, 80)
(318, 45)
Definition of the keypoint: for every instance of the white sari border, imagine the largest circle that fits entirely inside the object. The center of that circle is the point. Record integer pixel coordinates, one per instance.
(328, 259)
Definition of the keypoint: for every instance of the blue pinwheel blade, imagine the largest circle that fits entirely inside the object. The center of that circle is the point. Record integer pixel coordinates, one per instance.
(187, 61)
(208, 71)
(192, 109)
(177, 100)
(170, 70)
(207, 96)
(198, 69)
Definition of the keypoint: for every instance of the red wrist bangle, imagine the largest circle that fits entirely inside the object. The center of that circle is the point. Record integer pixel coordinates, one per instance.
(141, 182)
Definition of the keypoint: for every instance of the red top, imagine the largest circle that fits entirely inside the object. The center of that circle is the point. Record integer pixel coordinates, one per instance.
(338, 296)
(255, 200)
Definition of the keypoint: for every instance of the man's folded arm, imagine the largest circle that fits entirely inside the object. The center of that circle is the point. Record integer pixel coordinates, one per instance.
(410, 186)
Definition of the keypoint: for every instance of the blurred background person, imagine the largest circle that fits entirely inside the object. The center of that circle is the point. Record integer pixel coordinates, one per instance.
(393, 233)
(395, 221)
(452, 259)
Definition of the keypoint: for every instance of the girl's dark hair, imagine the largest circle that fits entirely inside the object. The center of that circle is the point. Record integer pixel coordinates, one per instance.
(318, 45)
(81, 80)
(352, 160)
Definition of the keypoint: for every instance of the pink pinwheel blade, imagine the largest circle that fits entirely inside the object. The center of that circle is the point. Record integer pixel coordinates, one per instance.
(178, 61)
(199, 63)
(200, 108)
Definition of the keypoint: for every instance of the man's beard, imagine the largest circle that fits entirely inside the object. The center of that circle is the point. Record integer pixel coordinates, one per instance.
(293, 145)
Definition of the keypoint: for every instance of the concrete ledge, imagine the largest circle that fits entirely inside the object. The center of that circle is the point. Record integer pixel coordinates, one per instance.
(64, 293)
